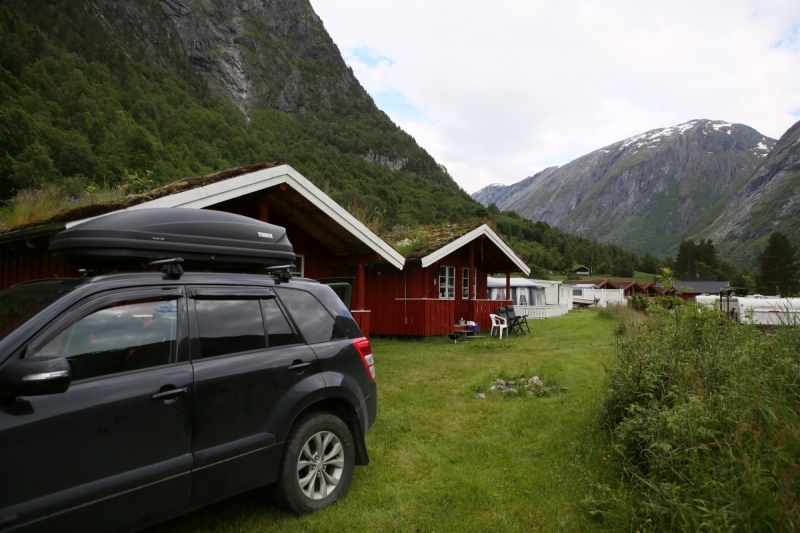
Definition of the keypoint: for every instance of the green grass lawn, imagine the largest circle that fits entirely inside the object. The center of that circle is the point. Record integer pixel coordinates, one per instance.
(641, 277)
(443, 460)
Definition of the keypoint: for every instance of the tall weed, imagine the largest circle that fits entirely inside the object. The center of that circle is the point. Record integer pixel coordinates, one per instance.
(704, 415)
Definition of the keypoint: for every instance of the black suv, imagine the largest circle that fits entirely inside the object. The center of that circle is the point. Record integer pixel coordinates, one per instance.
(127, 399)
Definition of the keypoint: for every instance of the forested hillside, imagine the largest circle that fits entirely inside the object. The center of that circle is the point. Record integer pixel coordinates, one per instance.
(102, 98)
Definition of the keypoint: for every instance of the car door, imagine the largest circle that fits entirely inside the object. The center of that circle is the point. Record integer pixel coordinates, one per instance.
(247, 362)
(114, 450)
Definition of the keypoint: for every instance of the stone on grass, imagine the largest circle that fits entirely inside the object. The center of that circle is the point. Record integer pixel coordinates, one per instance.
(480, 395)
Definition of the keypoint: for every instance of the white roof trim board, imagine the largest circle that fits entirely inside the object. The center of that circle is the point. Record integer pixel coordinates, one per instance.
(263, 179)
(446, 250)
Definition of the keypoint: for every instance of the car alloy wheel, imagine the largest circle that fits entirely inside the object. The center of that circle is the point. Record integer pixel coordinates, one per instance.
(317, 465)
(320, 465)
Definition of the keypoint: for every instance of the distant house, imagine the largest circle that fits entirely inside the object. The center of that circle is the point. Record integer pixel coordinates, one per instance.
(651, 290)
(689, 289)
(629, 288)
(581, 270)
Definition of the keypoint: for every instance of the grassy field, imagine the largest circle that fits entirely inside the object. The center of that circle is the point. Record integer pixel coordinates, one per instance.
(641, 277)
(443, 460)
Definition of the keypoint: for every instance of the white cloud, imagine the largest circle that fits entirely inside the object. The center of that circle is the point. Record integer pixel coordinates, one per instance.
(497, 91)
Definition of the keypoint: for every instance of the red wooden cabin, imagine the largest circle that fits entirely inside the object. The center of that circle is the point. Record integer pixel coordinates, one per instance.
(391, 295)
(443, 281)
(328, 241)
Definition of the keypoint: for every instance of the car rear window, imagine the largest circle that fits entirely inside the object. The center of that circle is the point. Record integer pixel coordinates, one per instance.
(315, 322)
(229, 326)
(21, 302)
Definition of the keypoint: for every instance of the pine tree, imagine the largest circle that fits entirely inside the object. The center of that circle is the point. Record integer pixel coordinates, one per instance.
(779, 267)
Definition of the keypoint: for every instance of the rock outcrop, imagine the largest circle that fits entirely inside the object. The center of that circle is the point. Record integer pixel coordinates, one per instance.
(768, 201)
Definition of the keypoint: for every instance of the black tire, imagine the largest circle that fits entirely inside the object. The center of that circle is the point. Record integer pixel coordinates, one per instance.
(305, 482)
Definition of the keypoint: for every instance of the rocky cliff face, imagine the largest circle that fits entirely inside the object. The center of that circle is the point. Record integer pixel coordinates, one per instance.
(768, 201)
(263, 53)
(646, 192)
(260, 54)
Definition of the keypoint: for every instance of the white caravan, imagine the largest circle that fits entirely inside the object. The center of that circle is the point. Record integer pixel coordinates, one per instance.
(757, 309)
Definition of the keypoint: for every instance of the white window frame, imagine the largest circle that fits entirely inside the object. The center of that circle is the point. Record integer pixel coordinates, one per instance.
(475, 284)
(447, 282)
(300, 259)
(465, 283)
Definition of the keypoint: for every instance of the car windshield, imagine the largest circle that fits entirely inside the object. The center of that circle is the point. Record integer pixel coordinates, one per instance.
(21, 302)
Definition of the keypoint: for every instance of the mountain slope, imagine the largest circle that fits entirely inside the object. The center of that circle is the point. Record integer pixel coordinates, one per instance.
(139, 93)
(645, 192)
(769, 201)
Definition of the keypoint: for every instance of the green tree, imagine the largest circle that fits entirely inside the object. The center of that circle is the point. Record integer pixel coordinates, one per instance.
(779, 267)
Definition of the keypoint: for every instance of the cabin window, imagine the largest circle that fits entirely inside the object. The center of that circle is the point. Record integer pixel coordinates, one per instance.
(447, 282)
(299, 266)
(465, 283)
(577, 292)
(475, 283)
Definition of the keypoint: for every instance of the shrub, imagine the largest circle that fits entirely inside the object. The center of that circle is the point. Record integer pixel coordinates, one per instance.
(639, 302)
(704, 414)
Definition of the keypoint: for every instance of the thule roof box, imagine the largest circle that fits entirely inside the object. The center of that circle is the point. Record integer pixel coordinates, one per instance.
(204, 239)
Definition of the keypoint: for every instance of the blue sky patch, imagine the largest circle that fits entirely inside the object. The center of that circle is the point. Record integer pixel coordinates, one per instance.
(395, 104)
(790, 39)
(796, 113)
(369, 56)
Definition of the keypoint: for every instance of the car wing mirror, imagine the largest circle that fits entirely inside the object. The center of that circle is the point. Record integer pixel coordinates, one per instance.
(35, 377)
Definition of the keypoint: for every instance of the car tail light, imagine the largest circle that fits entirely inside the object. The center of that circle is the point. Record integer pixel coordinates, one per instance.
(365, 351)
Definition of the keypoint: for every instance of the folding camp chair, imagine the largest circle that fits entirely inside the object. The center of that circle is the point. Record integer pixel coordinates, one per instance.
(520, 320)
(513, 325)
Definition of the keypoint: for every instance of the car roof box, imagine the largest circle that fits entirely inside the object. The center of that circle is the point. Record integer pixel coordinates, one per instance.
(204, 239)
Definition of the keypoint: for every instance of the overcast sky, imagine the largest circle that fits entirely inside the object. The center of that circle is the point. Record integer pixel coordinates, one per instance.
(497, 91)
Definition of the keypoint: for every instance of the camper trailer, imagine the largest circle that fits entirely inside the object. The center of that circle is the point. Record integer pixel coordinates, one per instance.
(756, 309)
(769, 311)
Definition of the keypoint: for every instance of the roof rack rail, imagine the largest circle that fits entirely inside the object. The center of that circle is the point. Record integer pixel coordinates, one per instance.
(280, 272)
(171, 267)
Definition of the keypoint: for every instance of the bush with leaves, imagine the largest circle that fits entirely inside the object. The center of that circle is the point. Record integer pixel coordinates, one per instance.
(704, 414)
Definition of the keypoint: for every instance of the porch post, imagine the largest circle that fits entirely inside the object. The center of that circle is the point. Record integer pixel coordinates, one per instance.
(360, 285)
(470, 278)
(508, 286)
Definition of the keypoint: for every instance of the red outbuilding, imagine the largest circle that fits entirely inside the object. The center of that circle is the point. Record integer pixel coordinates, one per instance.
(421, 292)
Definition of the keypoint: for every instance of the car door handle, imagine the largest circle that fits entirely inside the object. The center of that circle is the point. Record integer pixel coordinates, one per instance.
(170, 393)
(299, 366)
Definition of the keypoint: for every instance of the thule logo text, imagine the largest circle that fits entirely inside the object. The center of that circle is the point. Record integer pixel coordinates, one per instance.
(265, 235)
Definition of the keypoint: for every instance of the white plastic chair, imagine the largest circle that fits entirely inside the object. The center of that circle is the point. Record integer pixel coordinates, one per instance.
(500, 323)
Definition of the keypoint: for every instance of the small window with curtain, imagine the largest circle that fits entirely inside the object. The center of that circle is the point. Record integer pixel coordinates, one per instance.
(465, 283)
(447, 282)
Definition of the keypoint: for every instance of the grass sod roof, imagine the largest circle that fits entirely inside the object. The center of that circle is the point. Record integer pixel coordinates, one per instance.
(69, 214)
(414, 243)
(418, 242)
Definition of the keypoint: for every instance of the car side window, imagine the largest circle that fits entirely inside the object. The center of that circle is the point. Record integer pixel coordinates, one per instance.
(315, 322)
(229, 326)
(124, 336)
(279, 332)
